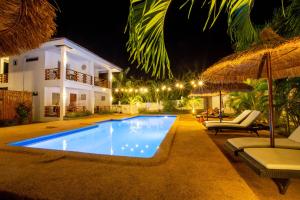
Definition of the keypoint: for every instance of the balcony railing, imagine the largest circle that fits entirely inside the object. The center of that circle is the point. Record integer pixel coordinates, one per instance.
(79, 77)
(101, 82)
(71, 108)
(3, 78)
(52, 111)
(52, 74)
(99, 109)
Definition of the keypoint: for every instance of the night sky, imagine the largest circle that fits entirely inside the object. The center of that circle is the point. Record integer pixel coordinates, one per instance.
(99, 26)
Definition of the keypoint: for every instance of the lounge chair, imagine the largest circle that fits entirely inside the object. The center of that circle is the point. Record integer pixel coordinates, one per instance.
(278, 164)
(234, 145)
(246, 124)
(236, 120)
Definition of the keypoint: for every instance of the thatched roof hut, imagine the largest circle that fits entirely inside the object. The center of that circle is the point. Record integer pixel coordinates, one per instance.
(285, 60)
(25, 25)
(274, 58)
(213, 88)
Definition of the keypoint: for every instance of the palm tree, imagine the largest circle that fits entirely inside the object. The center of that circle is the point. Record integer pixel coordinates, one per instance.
(146, 24)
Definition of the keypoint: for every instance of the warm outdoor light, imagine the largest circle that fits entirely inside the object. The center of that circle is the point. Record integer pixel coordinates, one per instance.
(117, 90)
(163, 87)
(157, 90)
(169, 89)
(193, 82)
(200, 83)
(177, 85)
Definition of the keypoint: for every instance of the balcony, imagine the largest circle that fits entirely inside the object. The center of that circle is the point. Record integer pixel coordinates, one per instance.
(3, 78)
(52, 111)
(101, 82)
(79, 77)
(52, 74)
(75, 108)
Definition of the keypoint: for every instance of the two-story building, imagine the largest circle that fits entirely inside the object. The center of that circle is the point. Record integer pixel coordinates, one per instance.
(62, 76)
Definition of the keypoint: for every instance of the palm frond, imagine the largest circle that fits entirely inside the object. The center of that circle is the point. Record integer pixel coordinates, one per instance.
(289, 24)
(146, 44)
(240, 27)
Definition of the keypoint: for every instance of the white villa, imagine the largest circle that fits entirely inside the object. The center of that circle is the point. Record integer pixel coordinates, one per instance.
(62, 76)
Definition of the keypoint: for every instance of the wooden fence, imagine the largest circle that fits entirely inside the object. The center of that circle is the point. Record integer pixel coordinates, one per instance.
(9, 100)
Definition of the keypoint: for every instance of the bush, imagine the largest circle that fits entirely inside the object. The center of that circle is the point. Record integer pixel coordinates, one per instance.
(23, 112)
(78, 114)
(169, 106)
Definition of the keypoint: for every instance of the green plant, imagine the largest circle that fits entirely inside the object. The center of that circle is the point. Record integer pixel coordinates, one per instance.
(169, 106)
(78, 114)
(254, 100)
(23, 112)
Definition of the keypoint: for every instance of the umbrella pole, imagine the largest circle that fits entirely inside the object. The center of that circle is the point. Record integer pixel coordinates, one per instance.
(206, 108)
(220, 110)
(270, 90)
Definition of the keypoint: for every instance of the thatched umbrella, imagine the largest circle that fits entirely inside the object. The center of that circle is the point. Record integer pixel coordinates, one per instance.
(25, 24)
(274, 58)
(210, 89)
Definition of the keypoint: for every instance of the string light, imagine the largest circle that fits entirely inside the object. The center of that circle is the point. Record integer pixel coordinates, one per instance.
(194, 84)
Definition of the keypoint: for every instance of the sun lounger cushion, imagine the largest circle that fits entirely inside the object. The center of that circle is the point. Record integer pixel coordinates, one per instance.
(236, 120)
(275, 158)
(295, 136)
(246, 123)
(250, 142)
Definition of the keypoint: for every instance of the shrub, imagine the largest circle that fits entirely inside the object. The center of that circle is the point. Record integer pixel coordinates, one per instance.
(169, 106)
(23, 112)
(78, 114)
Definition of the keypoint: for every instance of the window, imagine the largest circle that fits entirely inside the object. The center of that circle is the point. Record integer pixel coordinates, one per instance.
(5, 70)
(55, 98)
(83, 97)
(102, 98)
(32, 59)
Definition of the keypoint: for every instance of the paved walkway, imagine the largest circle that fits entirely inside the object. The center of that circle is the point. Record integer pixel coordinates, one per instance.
(196, 169)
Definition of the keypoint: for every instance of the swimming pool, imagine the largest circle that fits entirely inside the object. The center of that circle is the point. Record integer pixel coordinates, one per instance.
(138, 136)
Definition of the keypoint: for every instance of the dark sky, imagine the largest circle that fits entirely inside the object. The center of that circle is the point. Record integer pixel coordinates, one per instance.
(99, 26)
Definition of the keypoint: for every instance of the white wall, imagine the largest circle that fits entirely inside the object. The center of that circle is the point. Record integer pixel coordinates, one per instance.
(48, 95)
(75, 62)
(78, 96)
(99, 101)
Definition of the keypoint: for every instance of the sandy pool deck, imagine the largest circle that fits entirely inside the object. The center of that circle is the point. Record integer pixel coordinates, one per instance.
(195, 169)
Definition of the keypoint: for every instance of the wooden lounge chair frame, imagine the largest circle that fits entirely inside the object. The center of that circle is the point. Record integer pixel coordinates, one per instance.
(281, 177)
(251, 129)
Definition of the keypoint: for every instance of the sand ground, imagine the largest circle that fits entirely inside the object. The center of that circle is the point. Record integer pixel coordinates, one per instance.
(195, 169)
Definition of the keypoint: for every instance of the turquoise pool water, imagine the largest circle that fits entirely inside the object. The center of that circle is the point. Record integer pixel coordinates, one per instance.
(133, 137)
